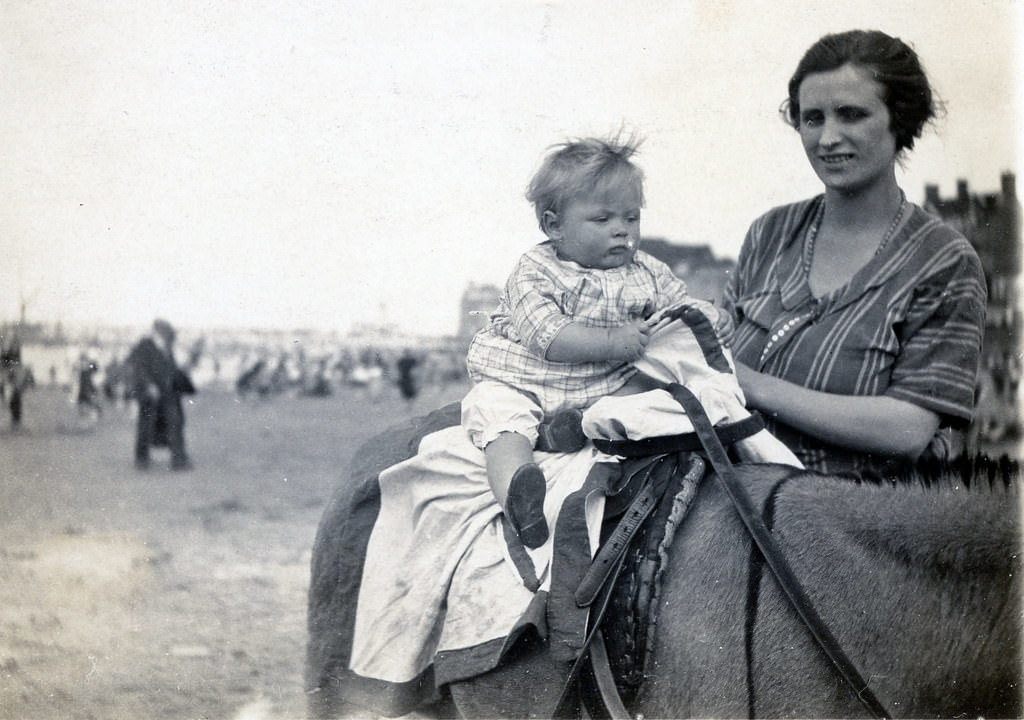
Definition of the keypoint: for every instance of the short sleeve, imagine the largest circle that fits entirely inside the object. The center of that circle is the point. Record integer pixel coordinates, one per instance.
(670, 287)
(941, 339)
(534, 309)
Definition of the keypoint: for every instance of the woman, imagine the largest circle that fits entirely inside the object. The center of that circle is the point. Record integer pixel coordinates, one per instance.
(859, 316)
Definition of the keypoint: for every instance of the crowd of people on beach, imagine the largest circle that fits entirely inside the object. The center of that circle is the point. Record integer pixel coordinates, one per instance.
(147, 378)
(372, 370)
(94, 376)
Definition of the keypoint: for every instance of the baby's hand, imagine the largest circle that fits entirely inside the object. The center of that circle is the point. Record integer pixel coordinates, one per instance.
(628, 341)
(720, 319)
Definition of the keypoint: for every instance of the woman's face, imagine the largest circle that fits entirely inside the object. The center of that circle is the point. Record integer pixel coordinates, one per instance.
(844, 126)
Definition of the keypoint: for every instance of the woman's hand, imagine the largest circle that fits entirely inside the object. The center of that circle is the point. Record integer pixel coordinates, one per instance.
(872, 423)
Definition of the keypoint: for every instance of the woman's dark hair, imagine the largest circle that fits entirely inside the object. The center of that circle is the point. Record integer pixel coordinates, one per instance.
(892, 63)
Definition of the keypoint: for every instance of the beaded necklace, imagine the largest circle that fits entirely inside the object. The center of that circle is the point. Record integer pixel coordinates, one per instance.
(812, 234)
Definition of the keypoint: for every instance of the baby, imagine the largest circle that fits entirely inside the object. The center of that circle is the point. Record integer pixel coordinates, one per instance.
(576, 312)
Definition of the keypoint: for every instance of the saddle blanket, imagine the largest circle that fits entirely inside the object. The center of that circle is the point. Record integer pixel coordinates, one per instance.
(440, 576)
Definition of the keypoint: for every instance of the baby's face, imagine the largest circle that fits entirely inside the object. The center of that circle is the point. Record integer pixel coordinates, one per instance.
(599, 230)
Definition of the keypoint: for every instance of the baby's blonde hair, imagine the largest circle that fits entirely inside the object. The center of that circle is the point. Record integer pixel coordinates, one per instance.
(578, 167)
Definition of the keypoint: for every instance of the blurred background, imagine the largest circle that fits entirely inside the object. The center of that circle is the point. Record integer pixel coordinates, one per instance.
(309, 190)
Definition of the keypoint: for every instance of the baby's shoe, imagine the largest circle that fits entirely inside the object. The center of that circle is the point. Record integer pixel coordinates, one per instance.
(562, 433)
(524, 506)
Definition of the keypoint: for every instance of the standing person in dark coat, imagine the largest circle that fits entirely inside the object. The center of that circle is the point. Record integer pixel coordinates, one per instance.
(406, 366)
(14, 377)
(88, 393)
(158, 384)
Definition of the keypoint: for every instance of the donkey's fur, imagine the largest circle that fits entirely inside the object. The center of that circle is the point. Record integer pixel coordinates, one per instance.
(919, 580)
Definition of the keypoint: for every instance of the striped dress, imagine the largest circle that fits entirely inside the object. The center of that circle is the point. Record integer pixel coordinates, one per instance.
(908, 325)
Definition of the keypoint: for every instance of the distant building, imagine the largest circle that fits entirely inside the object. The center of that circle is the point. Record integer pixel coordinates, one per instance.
(704, 274)
(991, 222)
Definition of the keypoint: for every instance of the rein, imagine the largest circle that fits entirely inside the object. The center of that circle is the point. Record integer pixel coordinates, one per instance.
(771, 552)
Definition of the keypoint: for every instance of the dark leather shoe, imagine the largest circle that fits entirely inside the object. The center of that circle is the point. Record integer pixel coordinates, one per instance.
(524, 506)
(562, 433)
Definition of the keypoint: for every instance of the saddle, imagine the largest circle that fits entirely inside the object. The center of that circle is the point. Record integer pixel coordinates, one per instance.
(659, 478)
(629, 622)
(623, 575)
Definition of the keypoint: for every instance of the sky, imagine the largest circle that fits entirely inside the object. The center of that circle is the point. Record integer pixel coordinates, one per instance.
(327, 163)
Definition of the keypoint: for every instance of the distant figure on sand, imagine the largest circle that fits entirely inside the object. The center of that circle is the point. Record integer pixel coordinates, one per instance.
(14, 377)
(87, 398)
(158, 384)
(407, 385)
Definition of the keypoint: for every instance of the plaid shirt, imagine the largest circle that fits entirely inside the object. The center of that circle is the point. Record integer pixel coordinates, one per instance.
(543, 295)
(908, 325)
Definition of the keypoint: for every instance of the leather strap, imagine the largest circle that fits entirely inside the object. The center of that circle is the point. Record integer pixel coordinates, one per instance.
(605, 680)
(686, 442)
(772, 554)
(564, 708)
(600, 570)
